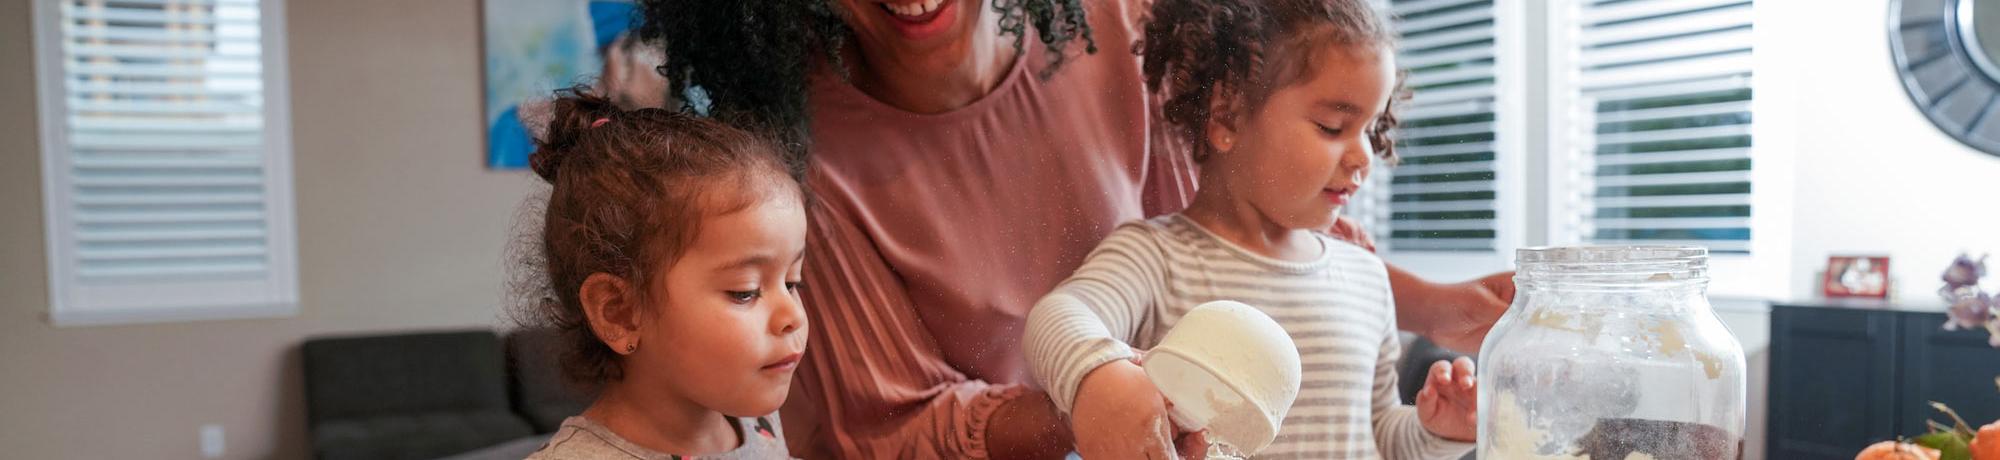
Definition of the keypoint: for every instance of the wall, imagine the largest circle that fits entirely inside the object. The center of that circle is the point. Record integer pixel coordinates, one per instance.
(1873, 176)
(1870, 175)
(400, 228)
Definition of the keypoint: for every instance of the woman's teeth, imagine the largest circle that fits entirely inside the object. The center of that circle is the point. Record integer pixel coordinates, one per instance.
(913, 9)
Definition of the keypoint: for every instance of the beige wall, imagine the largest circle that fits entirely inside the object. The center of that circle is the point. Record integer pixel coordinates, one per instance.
(400, 227)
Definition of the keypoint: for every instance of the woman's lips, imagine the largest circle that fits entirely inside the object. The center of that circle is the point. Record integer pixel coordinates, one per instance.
(913, 9)
(919, 19)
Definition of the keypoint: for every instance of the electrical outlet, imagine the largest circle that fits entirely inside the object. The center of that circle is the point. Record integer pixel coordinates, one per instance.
(211, 441)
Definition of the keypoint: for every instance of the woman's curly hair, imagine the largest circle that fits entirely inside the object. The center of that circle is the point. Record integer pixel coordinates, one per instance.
(752, 59)
(1198, 49)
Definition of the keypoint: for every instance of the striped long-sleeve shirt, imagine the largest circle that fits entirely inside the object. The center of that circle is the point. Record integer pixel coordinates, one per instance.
(1147, 274)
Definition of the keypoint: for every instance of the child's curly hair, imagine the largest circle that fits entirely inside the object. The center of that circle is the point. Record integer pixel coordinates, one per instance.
(1195, 50)
(629, 191)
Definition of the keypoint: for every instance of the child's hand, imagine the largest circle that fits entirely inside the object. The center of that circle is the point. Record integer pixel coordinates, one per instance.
(1120, 414)
(1448, 405)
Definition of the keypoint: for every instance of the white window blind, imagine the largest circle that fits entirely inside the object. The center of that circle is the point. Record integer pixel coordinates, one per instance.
(166, 160)
(1660, 123)
(1442, 197)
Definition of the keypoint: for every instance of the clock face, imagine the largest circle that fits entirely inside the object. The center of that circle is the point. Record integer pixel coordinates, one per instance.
(1941, 49)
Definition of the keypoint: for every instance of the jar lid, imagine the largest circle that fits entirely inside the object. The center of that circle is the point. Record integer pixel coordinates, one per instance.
(1613, 266)
(1612, 254)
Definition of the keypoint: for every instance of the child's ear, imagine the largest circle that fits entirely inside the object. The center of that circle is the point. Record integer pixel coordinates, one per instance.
(1223, 107)
(611, 305)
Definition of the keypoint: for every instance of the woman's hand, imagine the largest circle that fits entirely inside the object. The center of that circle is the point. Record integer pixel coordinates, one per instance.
(1448, 405)
(1120, 414)
(1480, 304)
(1455, 315)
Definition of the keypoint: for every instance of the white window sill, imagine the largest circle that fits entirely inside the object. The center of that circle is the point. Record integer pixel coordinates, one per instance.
(109, 317)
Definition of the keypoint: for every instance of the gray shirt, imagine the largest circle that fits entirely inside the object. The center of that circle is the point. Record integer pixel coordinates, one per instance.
(580, 438)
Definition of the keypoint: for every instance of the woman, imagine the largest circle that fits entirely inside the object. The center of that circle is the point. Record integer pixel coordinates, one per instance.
(964, 157)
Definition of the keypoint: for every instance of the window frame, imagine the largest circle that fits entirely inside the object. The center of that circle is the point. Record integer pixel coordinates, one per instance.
(1511, 87)
(1763, 273)
(70, 303)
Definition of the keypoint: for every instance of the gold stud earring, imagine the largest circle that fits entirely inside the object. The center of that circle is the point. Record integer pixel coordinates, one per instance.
(631, 347)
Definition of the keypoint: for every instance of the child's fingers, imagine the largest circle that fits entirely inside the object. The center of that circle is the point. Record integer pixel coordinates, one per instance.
(1443, 383)
(1427, 398)
(1457, 373)
(1193, 445)
(1466, 371)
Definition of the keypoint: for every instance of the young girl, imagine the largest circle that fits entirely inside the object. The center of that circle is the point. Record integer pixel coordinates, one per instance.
(1284, 103)
(672, 247)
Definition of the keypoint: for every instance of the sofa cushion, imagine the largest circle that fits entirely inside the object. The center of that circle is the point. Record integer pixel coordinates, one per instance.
(392, 375)
(517, 449)
(541, 393)
(416, 436)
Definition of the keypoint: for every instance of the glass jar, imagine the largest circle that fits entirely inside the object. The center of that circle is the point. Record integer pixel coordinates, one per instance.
(1611, 353)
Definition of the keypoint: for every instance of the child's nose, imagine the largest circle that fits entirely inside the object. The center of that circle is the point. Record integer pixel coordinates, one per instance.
(1358, 158)
(789, 317)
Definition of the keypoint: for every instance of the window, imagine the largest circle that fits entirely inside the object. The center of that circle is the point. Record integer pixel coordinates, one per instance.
(1599, 122)
(1662, 124)
(165, 160)
(1660, 137)
(1450, 208)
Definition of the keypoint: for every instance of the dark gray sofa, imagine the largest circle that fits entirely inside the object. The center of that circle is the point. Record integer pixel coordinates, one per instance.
(429, 395)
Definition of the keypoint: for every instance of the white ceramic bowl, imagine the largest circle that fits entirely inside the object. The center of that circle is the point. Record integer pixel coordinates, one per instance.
(1230, 369)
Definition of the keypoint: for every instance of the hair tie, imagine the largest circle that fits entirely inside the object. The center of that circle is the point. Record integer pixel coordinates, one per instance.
(600, 122)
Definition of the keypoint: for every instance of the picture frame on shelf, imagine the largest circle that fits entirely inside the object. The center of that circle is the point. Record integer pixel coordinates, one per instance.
(1856, 276)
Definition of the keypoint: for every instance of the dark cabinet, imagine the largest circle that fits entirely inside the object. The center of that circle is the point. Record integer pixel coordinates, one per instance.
(1844, 377)
(1833, 384)
(1956, 368)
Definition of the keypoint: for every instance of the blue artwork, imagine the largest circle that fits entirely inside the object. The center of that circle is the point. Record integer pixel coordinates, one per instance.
(534, 47)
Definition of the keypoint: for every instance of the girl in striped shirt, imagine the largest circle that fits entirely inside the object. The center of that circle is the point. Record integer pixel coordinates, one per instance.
(1285, 104)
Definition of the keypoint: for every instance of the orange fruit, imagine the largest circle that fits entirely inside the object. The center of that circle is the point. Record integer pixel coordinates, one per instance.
(1986, 445)
(1892, 450)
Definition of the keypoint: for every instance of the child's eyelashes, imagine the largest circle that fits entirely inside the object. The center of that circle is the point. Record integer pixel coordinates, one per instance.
(747, 297)
(1328, 130)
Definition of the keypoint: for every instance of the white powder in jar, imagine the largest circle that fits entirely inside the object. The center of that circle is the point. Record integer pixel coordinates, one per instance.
(1515, 439)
